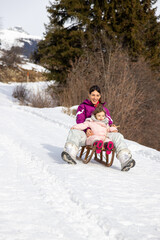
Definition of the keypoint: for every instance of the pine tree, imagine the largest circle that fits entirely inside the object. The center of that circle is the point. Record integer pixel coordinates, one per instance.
(58, 50)
(62, 43)
(77, 24)
(137, 28)
(151, 34)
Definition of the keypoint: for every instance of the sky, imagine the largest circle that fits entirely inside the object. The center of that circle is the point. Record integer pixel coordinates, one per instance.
(158, 7)
(31, 15)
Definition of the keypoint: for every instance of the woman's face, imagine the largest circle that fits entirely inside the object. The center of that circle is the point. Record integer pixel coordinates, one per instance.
(94, 97)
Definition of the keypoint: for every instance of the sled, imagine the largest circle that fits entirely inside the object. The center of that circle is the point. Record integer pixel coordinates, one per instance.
(88, 152)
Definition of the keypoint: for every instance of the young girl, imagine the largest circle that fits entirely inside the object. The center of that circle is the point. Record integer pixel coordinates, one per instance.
(98, 123)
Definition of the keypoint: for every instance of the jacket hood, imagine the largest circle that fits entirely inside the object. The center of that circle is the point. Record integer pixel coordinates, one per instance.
(95, 120)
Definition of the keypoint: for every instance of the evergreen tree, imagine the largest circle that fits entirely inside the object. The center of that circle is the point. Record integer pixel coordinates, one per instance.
(151, 34)
(135, 24)
(77, 24)
(62, 43)
(58, 50)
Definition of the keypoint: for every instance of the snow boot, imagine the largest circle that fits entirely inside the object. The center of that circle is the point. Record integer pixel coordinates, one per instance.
(70, 152)
(125, 158)
(99, 145)
(108, 147)
(127, 165)
(67, 158)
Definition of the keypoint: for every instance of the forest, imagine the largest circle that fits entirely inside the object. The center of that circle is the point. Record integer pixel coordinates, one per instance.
(114, 44)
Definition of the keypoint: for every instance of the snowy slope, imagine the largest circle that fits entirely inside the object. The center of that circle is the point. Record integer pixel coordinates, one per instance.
(18, 37)
(15, 37)
(43, 198)
(31, 66)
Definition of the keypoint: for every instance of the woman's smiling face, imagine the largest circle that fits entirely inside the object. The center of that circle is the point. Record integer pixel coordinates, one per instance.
(94, 97)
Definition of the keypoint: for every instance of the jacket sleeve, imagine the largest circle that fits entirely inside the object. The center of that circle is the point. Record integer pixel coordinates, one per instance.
(112, 129)
(81, 126)
(80, 116)
(108, 116)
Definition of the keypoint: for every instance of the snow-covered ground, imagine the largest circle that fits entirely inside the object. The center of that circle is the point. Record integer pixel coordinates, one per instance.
(13, 36)
(31, 66)
(16, 37)
(43, 198)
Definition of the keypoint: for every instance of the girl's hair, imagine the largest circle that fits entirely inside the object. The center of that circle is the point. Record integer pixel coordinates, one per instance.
(99, 109)
(93, 88)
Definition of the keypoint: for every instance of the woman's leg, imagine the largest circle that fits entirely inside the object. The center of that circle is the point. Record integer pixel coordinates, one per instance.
(123, 154)
(118, 141)
(75, 139)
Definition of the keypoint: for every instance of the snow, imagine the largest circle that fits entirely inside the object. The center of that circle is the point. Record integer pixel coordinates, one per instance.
(14, 37)
(11, 37)
(31, 66)
(43, 198)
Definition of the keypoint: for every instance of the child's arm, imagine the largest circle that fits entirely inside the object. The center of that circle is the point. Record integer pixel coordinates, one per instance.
(81, 126)
(113, 129)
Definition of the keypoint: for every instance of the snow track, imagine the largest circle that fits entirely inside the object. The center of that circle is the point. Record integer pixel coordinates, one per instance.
(43, 198)
(58, 199)
(44, 117)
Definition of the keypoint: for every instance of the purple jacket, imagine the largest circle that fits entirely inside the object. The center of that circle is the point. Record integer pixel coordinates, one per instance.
(85, 110)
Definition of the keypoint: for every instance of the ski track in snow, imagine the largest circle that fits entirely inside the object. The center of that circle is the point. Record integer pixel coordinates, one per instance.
(55, 121)
(46, 182)
(39, 174)
(61, 201)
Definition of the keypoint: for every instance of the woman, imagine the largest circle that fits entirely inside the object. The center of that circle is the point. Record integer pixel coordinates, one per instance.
(77, 138)
(98, 123)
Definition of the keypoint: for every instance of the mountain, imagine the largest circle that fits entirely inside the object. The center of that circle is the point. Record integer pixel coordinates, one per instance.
(44, 198)
(18, 37)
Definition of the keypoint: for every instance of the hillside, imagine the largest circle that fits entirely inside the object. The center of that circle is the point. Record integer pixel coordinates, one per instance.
(18, 37)
(43, 198)
(22, 70)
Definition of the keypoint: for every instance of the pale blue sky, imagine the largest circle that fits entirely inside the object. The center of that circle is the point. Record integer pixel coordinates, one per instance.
(158, 7)
(31, 15)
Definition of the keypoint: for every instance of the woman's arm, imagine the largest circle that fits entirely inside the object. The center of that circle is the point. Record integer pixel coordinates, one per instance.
(80, 116)
(108, 116)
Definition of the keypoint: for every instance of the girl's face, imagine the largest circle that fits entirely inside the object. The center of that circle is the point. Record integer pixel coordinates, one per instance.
(100, 116)
(94, 97)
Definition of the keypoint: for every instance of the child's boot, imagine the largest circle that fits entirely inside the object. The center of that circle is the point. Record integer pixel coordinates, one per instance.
(108, 146)
(99, 145)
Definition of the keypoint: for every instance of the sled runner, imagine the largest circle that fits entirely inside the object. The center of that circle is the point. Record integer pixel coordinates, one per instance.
(88, 152)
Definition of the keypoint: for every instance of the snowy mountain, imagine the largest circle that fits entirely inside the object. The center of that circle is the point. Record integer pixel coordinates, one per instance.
(18, 37)
(43, 198)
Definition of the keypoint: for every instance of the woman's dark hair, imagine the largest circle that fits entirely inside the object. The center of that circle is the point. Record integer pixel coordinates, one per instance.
(99, 109)
(93, 88)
